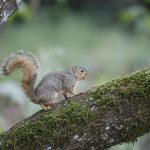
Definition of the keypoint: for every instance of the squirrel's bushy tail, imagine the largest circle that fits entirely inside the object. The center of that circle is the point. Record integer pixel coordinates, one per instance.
(29, 64)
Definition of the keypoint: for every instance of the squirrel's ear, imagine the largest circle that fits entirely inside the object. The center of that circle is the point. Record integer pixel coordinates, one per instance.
(74, 68)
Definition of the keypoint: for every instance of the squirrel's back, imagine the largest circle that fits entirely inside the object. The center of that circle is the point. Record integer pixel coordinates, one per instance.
(53, 80)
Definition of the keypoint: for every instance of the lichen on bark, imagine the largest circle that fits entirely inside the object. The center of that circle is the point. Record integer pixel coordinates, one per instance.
(7, 7)
(104, 116)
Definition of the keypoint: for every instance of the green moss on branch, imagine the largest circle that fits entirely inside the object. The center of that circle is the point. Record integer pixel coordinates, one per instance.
(101, 117)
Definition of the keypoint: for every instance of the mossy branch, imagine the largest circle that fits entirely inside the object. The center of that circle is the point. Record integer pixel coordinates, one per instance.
(7, 7)
(104, 116)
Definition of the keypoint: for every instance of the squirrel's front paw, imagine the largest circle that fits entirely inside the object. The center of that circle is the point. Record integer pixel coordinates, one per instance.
(78, 93)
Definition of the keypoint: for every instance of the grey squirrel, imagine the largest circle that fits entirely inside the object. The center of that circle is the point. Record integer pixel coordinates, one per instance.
(52, 84)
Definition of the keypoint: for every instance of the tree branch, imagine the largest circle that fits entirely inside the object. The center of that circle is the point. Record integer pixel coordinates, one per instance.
(7, 7)
(104, 116)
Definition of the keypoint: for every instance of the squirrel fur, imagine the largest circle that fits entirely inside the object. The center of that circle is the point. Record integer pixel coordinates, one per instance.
(52, 84)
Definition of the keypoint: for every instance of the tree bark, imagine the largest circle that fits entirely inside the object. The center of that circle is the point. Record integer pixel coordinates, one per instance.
(7, 7)
(104, 116)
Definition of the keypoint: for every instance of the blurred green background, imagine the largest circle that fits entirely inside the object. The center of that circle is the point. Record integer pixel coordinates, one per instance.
(108, 38)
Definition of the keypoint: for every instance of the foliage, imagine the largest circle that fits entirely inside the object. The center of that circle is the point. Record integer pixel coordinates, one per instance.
(127, 14)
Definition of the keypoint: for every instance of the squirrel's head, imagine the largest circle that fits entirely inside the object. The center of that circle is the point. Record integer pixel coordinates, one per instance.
(81, 73)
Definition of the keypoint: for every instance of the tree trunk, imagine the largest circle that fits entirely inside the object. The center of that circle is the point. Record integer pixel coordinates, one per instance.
(7, 7)
(104, 116)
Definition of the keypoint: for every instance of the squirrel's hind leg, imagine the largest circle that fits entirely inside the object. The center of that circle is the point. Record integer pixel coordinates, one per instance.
(44, 107)
(48, 100)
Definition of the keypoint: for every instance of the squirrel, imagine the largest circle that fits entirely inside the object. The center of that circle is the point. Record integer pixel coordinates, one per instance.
(52, 84)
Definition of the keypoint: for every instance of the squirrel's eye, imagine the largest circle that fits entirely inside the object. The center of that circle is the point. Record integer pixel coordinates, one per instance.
(82, 70)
